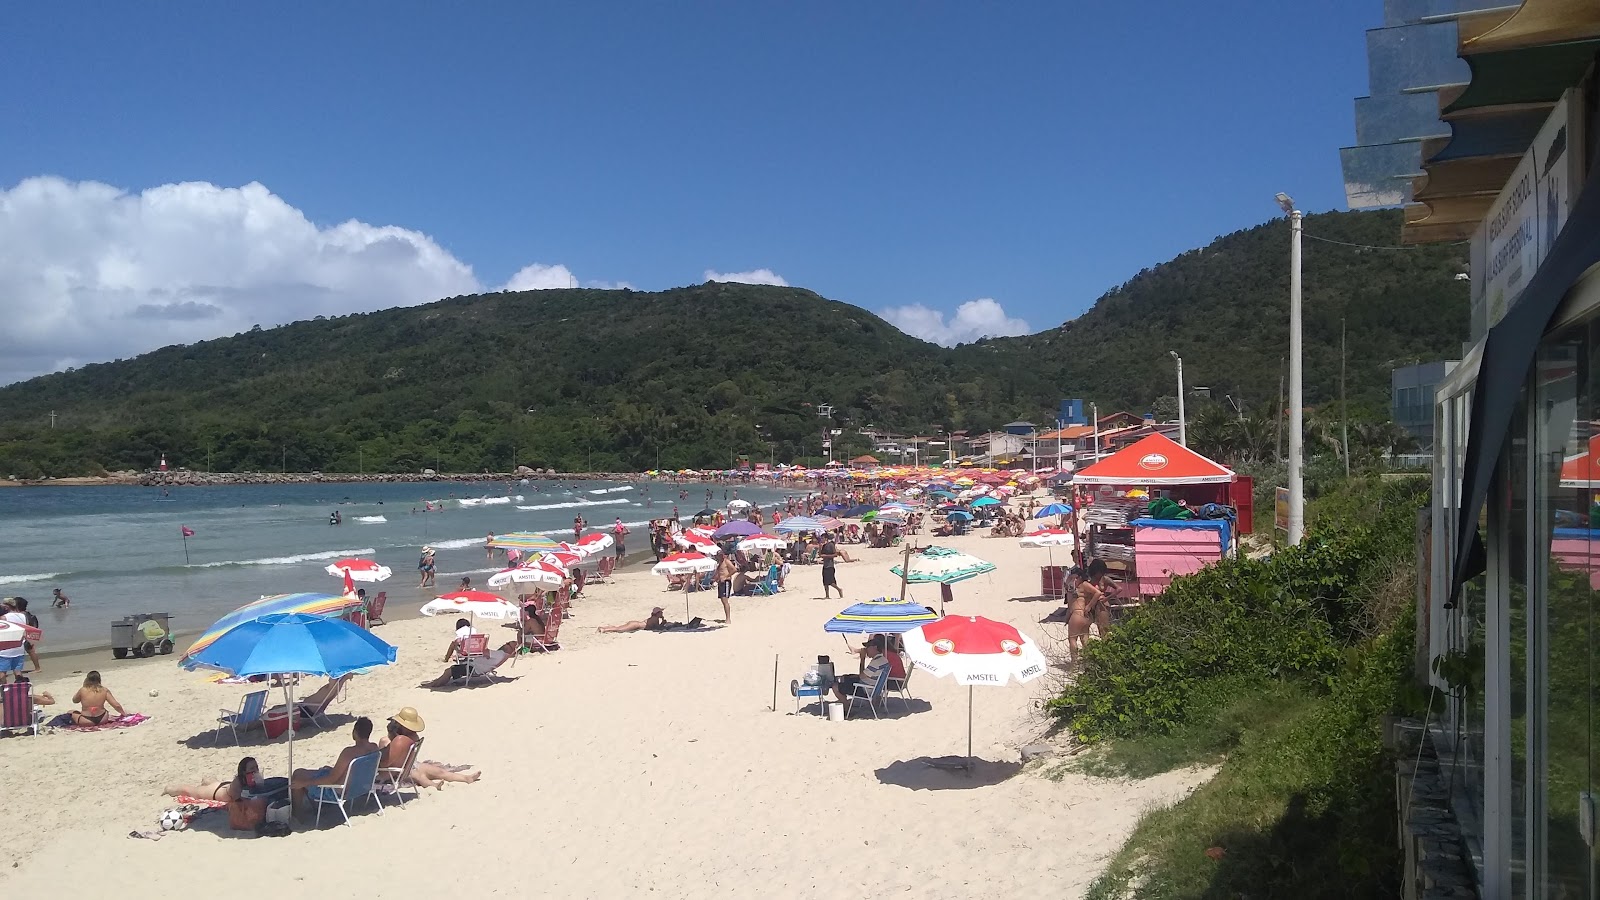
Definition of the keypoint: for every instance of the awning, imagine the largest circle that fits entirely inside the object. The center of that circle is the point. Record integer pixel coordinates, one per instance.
(1538, 22)
(1508, 355)
(1529, 75)
(1155, 460)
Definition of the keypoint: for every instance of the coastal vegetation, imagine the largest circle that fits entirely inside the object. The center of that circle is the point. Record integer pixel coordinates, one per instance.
(1282, 669)
(708, 375)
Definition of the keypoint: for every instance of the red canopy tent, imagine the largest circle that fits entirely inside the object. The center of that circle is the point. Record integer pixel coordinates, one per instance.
(1583, 470)
(1155, 460)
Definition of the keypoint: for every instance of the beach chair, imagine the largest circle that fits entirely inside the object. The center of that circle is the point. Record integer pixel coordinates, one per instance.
(870, 693)
(767, 587)
(360, 780)
(17, 710)
(900, 686)
(400, 778)
(375, 609)
(474, 646)
(249, 713)
(547, 641)
(318, 715)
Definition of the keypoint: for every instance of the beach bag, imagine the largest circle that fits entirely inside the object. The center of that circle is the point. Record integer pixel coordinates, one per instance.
(278, 819)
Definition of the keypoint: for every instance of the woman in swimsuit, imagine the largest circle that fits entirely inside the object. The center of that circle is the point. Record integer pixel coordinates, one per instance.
(244, 812)
(1084, 602)
(94, 698)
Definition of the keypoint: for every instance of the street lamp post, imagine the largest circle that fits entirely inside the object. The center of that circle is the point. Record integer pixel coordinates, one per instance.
(1297, 498)
(1183, 425)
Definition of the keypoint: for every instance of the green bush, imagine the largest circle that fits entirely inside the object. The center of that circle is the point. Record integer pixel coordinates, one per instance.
(1291, 616)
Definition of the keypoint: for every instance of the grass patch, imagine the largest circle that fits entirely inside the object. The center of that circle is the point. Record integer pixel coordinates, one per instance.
(1221, 714)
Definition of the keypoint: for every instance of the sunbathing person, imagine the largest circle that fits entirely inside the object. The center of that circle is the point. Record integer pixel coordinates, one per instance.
(315, 702)
(477, 666)
(361, 744)
(94, 697)
(404, 726)
(245, 812)
(655, 622)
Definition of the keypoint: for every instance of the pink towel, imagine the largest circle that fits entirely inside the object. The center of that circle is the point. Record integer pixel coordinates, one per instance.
(127, 721)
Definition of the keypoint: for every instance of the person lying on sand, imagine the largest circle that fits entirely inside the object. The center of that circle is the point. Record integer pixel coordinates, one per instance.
(654, 622)
(245, 812)
(94, 697)
(404, 727)
(360, 745)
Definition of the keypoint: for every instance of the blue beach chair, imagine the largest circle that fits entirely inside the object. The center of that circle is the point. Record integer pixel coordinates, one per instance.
(359, 781)
(248, 714)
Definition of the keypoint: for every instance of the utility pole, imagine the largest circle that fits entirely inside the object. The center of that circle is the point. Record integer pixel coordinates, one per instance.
(1183, 425)
(1277, 420)
(1095, 409)
(1344, 403)
(1297, 493)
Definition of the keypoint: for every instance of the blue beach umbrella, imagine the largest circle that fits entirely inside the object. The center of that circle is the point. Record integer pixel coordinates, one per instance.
(293, 644)
(958, 515)
(1054, 509)
(985, 501)
(798, 523)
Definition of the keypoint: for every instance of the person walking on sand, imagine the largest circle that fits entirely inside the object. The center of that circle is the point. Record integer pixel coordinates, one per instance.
(830, 579)
(618, 532)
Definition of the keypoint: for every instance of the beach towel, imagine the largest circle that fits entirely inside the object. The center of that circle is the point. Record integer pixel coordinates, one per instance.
(446, 767)
(128, 721)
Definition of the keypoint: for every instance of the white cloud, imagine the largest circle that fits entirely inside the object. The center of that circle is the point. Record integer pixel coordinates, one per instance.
(89, 272)
(540, 277)
(754, 276)
(972, 320)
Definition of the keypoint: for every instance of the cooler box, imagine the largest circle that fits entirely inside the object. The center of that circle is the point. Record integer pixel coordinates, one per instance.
(276, 723)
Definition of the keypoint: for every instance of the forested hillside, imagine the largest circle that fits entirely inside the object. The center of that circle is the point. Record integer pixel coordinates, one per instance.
(697, 376)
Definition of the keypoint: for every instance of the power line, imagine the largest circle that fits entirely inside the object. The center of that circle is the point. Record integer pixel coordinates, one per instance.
(1313, 237)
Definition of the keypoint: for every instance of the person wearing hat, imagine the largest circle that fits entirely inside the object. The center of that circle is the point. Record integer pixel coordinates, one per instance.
(655, 623)
(405, 730)
(873, 663)
(426, 567)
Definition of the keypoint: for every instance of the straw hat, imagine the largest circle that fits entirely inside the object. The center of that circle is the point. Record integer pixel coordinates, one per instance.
(428, 551)
(409, 719)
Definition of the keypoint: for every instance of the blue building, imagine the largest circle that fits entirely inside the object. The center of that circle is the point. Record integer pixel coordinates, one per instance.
(1071, 413)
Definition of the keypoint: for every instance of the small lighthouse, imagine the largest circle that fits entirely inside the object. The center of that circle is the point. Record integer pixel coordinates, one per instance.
(163, 466)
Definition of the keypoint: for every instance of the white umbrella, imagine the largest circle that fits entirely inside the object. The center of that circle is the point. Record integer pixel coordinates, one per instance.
(473, 603)
(540, 574)
(974, 650)
(1049, 538)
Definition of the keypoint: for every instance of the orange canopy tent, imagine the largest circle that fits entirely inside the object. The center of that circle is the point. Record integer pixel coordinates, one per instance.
(1155, 460)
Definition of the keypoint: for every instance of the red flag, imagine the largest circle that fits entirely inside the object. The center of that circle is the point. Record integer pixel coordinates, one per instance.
(349, 583)
(187, 531)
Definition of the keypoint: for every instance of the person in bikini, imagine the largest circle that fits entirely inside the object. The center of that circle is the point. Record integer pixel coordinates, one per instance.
(94, 697)
(245, 812)
(653, 623)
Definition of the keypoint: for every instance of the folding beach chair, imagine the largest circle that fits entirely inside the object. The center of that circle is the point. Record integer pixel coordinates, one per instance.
(249, 713)
(17, 710)
(767, 586)
(375, 609)
(400, 777)
(318, 715)
(474, 646)
(547, 641)
(900, 686)
(360, 780)
(870, 693)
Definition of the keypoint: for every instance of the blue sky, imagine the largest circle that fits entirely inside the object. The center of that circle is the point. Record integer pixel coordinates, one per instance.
(885, 154)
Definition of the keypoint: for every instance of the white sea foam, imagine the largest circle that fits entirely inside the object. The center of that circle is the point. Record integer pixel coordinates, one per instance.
(456, 544)
(471, 501)
(18, 579)
(285, 560)
(568, 531)
(573, 504)
(371, 519)
(612, 490)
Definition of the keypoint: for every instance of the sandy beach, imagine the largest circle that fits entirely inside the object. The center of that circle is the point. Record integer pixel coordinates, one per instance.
(623, 765)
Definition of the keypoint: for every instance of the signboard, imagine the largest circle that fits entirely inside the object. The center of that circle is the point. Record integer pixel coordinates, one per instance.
(1529, 213)
(1280, 510)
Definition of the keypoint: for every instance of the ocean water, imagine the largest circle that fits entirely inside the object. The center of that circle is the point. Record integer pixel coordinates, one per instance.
(117, 551)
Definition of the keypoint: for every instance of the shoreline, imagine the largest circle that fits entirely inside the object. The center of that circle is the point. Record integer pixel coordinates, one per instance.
(219, 479)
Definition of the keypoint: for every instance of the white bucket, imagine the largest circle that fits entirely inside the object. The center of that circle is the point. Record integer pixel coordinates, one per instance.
(835, 711)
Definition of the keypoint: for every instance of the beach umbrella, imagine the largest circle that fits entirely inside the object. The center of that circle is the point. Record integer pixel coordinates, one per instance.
(1049, 538)
(855, 512)
(472, 603)
(706, 513)
(828, 523)
(974, 650)
(796, 524)
(958, 515)
(738, 528)
(738, 504)
(311, 604)
(565, 559)
(695, 539)
(687, 563)
(535, 572)
(591, 544)
(941, 565)
(292, 644)
(880, 616)
(12, 635)
(523, 540)
(762, 542)
(985, 501)
(358, 570)
(1054, 509)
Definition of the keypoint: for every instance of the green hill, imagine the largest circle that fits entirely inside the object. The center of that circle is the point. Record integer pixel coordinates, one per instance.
(695, 376)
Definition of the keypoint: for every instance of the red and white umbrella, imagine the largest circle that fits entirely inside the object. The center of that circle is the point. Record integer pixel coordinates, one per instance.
(698, 539)
(537, 573)
(565, 559)
(1050, 538)
(763, 542)
(12, 635)
(473, 603)
(591, 544)
(685, 563)
(359, 569)
(974, 650)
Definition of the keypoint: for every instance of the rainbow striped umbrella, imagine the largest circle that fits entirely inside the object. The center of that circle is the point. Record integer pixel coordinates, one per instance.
(524, 540)
(881, 616)
(325, 606)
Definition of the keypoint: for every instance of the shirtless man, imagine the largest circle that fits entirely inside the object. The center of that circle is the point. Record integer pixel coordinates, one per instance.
(361, 745)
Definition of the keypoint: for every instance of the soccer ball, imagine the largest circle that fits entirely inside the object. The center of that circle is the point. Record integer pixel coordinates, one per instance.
(173, 820)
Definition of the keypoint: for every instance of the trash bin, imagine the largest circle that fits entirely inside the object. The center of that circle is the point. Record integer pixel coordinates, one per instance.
(835, 711)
